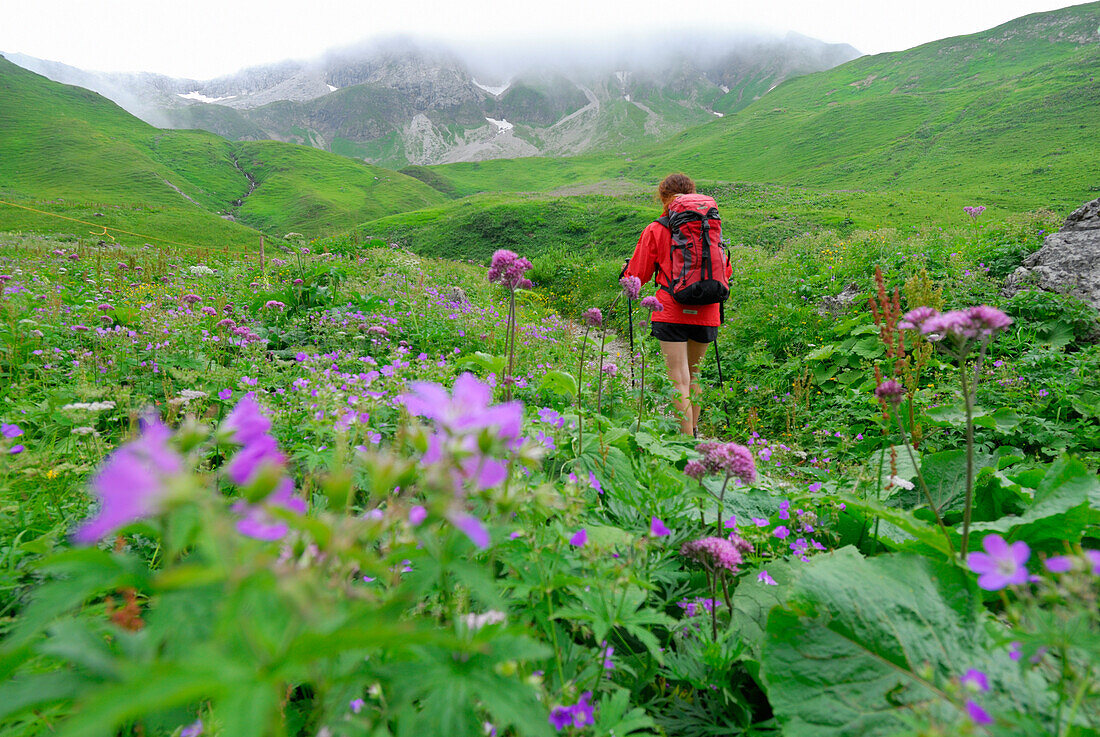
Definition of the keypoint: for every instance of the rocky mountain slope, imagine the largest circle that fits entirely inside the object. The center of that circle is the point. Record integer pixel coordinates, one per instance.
(400, 102)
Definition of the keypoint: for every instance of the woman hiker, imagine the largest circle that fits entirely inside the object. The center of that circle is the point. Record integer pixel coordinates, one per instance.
(684, 330)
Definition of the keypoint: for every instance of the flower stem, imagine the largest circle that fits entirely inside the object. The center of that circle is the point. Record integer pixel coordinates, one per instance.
(968, 403)
(580, 390)
(923, 485)
(641, 396)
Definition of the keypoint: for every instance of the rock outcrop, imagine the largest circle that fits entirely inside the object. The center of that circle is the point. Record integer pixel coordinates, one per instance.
(1069, 261)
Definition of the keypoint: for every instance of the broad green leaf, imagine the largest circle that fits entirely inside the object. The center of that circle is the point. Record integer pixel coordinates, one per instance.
(615, 717)
(928, 534)
(38, 690)
(484, 361)
(660, 447)
(1060, 511)
(862, 642)
(562, 382)
(753, 601)
(822, 352)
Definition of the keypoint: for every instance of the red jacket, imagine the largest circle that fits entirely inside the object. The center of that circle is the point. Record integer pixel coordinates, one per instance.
(653, 254)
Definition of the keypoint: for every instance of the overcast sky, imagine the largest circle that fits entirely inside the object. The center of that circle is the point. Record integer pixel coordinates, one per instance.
(207, 38)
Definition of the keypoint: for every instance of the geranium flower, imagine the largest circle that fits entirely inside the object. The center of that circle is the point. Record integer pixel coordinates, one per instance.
(131, 485)
(657, 528)
(1001, 564)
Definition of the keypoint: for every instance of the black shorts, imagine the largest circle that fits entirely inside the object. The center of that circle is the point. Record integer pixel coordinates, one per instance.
(674, 332)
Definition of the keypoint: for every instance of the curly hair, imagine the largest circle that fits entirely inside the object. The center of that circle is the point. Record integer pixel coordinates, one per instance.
(673, 185)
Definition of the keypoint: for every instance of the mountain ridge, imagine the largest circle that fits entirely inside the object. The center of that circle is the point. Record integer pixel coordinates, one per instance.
(421, 104)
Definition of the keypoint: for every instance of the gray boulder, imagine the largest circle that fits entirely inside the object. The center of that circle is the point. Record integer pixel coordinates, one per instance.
(1068, 262)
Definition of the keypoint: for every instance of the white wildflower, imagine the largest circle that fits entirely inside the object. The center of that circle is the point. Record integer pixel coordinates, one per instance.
(84, 431)
(903, 483)
(477, 621)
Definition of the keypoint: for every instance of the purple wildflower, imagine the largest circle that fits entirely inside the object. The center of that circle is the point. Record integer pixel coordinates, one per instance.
(273, 304)
(974, 212)
(977, 714)
(471, 527)
(561, 717)
(225, 394)
(417, 515)
(507, 269)
(632, 286)
(16, 449)
(765, 578)
(975, 680)
(131, 484)
(695, 469)
(593, 317)
(1059, 564)
(1001, 564)
(1093, 557)
(781, 532)
(890, 391)
(713, 552)
(732, 459)
(192, 730)
(657, 528)
(652, 304)
(356, 705)
(579, 539)
(256, 520)
(10, 430)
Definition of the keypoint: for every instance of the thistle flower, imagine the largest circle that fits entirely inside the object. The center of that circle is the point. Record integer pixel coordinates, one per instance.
(974, 212)
(632, 286)
(713, 552)
(730, 458)
(507, 269)
(593, 317)
(890, 391)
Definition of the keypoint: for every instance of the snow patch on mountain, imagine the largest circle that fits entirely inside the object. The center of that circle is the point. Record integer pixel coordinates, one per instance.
(496, 91)
(720, 115)
(331, 88)
(725, 89)
(502, 125)
(202, 98)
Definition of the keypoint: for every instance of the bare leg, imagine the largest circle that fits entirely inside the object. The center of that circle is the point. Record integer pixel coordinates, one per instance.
(676, 359)
(695, 353)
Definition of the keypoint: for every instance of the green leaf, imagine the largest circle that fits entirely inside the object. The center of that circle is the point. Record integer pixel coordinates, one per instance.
(926, 534)
(869, 348)
(861, 642)
(661, 448)
(37, 690)
(614, 717)
(484, 361)
(562, 382)
(822, 352)
(753, 601)
(1060, 511)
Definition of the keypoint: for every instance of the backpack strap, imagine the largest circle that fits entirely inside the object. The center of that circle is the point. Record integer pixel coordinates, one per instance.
(663, 220)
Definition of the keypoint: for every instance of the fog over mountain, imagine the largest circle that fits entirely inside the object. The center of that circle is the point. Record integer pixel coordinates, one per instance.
(400, 100)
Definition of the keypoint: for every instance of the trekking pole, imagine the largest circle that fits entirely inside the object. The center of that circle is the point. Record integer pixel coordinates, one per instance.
(718, 360)
(630, 322)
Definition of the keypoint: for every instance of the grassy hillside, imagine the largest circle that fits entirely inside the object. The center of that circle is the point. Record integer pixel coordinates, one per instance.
(67, 151)
(1009, 113)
